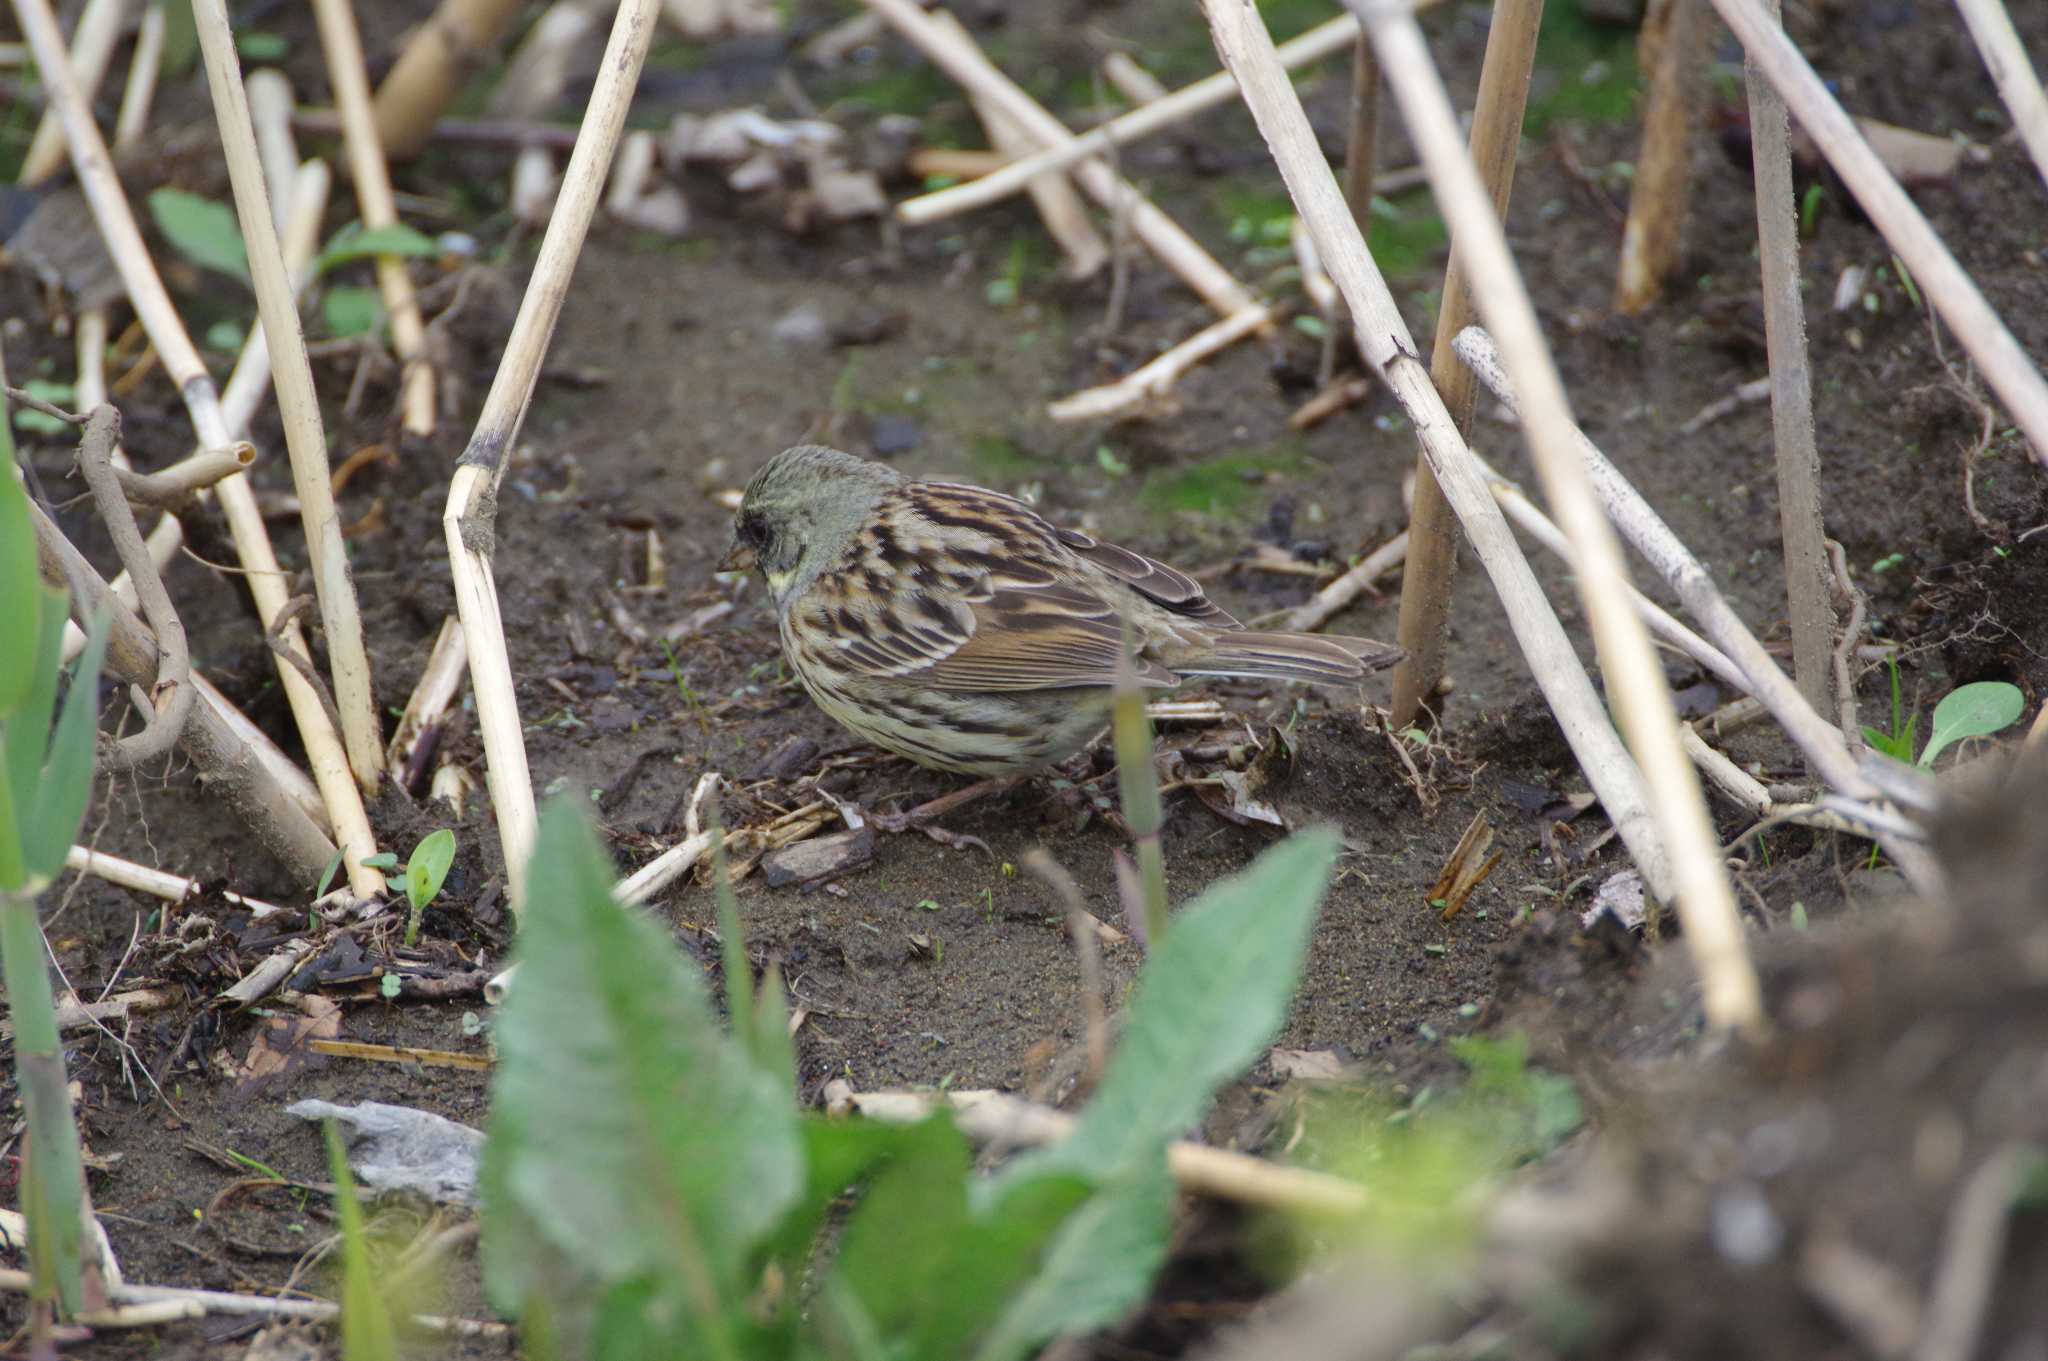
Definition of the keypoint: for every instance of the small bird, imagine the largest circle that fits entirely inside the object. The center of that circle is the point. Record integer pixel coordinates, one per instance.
(957, 627)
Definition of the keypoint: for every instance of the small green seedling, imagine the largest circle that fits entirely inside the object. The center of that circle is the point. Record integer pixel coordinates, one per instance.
(424, 875)
(1898, 743)
(1975, 710)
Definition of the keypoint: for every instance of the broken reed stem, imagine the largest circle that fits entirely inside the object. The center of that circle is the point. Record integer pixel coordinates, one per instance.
(172, 888)
(181, 362)
(298, 403)
(2006, 367)
(2012, 73)
(1808, 589)
(92, 49)
(174, 487)
(1361, 152)
(347, 74)
(433, 69)
(1817, 739)
(1635, 678)
(1324, 40)
(230, 765)
(469, 519)
(1151, 382)
(1426, 580)
(144, 66)
(969, 67)
(1385, 343)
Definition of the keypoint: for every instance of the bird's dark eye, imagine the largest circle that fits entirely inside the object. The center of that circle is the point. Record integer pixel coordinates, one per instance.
(750, 530)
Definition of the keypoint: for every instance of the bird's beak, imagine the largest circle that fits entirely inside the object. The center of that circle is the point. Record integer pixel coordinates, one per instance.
(739, 558)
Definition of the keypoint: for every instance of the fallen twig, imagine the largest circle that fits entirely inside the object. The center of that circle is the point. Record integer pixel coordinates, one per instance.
(172, 488)
(1144, 388)
(1332, 599)
(2006, 58)
(392, 1053)
(157, 883)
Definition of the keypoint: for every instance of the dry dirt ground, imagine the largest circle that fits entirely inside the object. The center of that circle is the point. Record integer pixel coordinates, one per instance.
(670, 380)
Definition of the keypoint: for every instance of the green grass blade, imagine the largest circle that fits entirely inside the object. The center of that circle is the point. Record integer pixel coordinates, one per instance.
(48, 824)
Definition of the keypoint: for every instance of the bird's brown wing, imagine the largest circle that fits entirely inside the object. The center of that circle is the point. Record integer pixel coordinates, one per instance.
(964, 589)
(1163, 585)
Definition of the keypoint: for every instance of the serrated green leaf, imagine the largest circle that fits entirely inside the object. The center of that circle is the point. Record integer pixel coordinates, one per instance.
(355, 242)
(51, 821)
(1210, 998)
(351, 311)
(427, 869)
(20, 598)
(205, 232)
(1100, 1264)
(1975, 710)
(628, 1135)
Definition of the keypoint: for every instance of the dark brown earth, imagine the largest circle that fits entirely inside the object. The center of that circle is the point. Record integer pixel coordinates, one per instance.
(669, 384)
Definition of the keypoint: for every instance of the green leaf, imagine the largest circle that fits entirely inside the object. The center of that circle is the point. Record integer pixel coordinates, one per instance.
(20, 597)
(351, 311)
(35, 422)
(355, 242)
(428, 868)
(51, 821)
(258, 45)
(368, 1331)
(929, 1273)
(226, 336)
(28, 726)
(205, 232)
(1101, 1261)
(1210, 998)
(628, 1135)
(1975, 710)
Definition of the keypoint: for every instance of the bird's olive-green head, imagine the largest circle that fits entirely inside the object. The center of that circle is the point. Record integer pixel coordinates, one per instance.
(800, 511)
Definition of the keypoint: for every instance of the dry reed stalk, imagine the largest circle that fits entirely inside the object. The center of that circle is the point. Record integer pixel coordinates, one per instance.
(469, 519)
(270, 109)
(1673, 53)
(347, 74)
(1819, 740)
(1059, 204)
(440, 682)
(92, 50)
(433, 68)
(144, 65)
(2012, 73)
(1426, 581)
(1324, 40)
(1809, 589)
(2005, 366)
(298, 402)
(1131, 80)
(1635, 678)
(969, 67)
(159, 318)
(1148, 385)
(1384, 341)
(1361, 154)
(173, 888)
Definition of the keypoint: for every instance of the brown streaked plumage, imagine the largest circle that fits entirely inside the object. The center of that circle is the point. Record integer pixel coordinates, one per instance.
(959, 628)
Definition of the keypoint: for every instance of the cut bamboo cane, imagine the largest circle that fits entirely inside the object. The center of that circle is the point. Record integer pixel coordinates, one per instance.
(270, 109)
(173, 888)
(431, 71)
(1361, 157)
(1817, 739)
(298, 403)
(92, 50)
(1663, 179)
(1324, 40)
(167, 334)
(1432, 528)
(1384, 341)
(1635, 678)
(469, 518)
(345, 71)
(971, 69)
(1809, 591)
(2012, 73)
(2006, 367)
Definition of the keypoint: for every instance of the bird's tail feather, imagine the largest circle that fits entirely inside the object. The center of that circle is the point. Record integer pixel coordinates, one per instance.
(1289, 656)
